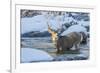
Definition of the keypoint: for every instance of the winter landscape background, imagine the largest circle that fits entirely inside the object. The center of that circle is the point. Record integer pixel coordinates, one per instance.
(36, 43)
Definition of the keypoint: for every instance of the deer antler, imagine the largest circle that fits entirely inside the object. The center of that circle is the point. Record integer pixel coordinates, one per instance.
(49, 28)
(60, 28)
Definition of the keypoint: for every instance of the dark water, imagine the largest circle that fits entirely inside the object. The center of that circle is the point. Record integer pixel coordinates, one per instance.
(45, 44)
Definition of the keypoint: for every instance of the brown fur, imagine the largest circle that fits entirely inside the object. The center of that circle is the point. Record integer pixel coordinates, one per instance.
(67, 42)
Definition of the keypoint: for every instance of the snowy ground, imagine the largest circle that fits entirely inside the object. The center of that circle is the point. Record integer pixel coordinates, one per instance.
(33, 55)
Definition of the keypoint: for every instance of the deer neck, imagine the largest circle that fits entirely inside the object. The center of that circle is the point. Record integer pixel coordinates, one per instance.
(54, 38)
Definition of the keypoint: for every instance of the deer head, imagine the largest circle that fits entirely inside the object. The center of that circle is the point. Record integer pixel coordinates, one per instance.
(54, 34)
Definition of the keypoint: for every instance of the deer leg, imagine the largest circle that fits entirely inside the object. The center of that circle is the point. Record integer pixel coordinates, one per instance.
(77, 46)
(73, 48)
(58, 48)
(58, 51)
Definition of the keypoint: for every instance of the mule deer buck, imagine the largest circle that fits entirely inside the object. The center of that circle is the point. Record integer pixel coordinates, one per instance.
(63, 43)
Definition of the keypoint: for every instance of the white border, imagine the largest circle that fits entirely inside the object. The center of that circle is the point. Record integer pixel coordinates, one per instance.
(15, 59)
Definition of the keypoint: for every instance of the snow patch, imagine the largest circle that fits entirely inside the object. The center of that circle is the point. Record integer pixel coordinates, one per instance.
(30, 55)
(36, 23)
(83, 23)
(74, 28)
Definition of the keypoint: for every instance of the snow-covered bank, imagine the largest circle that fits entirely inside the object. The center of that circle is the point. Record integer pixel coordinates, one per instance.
(74, 28)
(36, 23)
(39, 23)
(33, 55)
